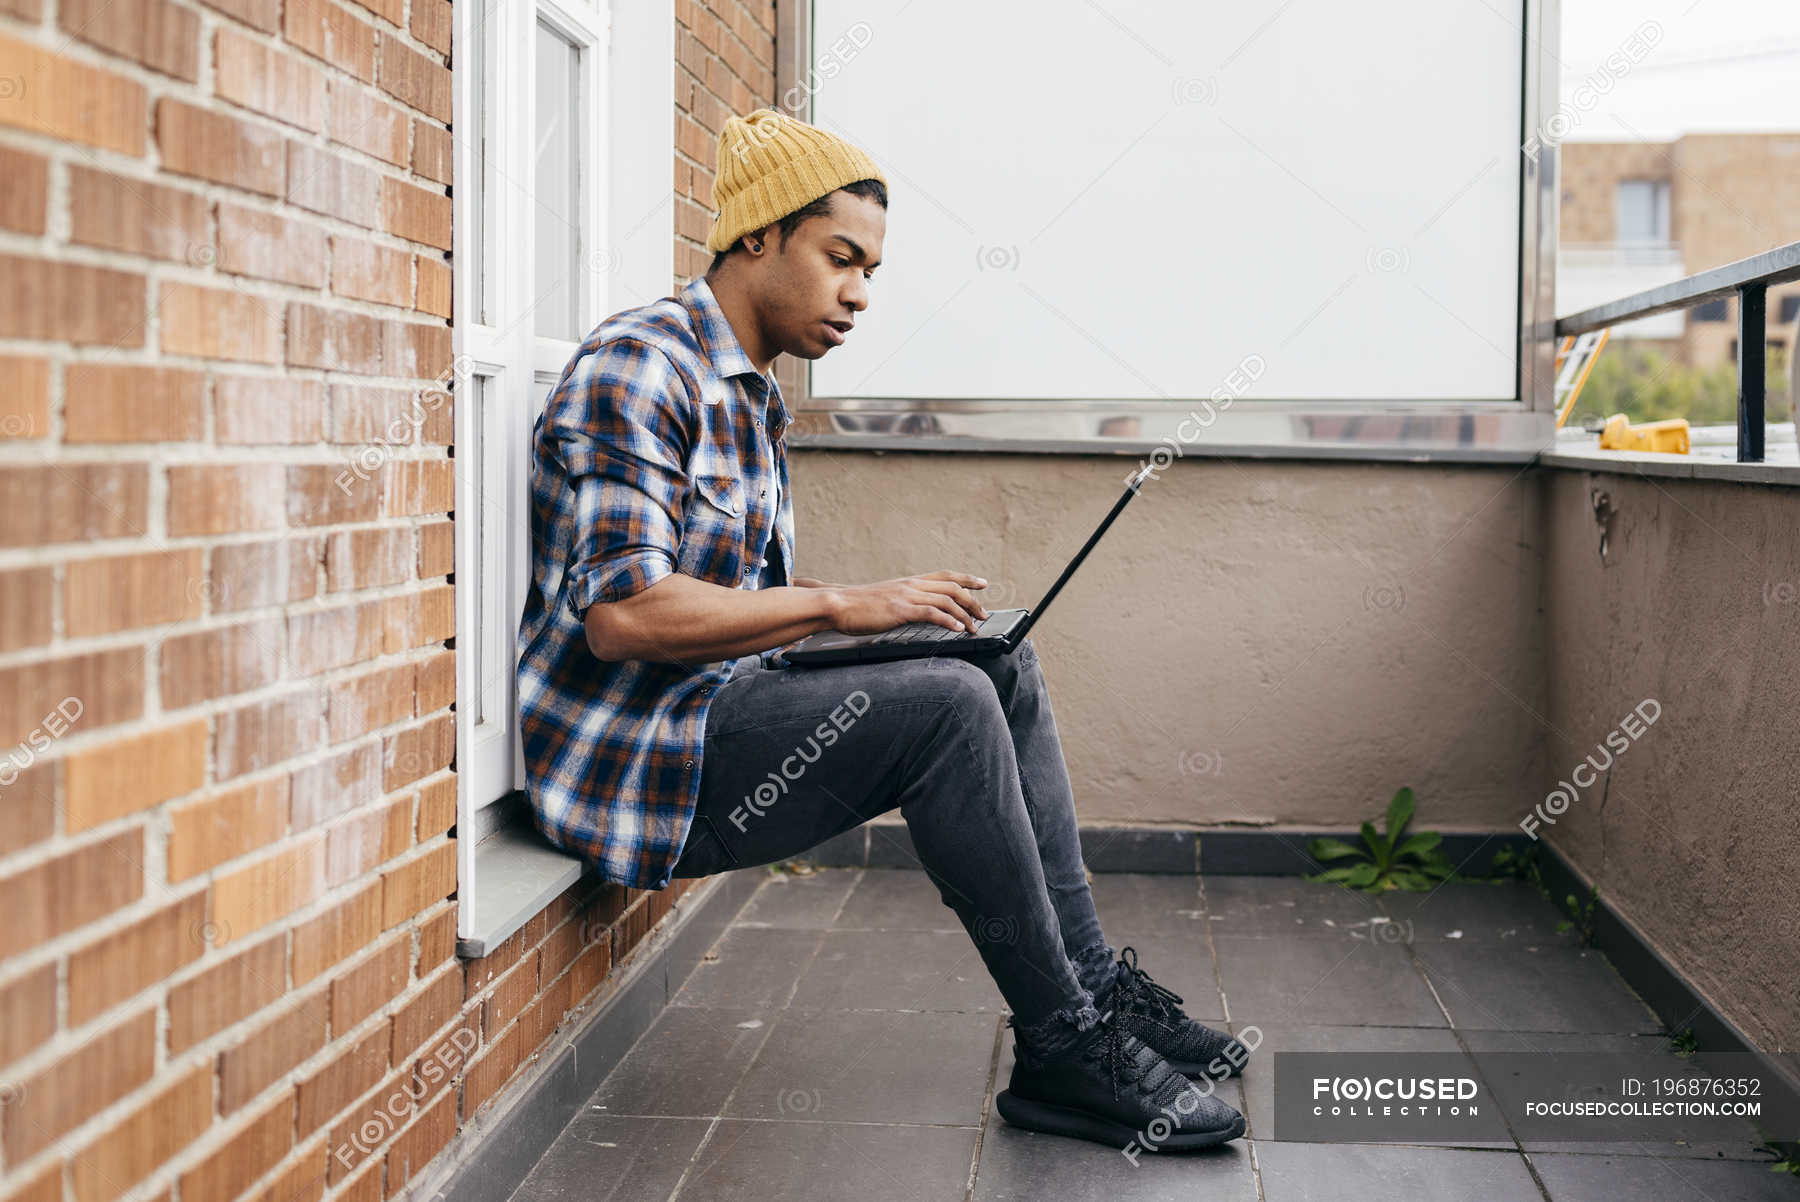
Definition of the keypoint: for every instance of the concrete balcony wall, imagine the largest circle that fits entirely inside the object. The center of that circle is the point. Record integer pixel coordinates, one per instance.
(1691, 833)
(1253, 642)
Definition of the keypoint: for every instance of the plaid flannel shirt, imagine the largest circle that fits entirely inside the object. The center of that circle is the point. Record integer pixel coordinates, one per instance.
(657, 452)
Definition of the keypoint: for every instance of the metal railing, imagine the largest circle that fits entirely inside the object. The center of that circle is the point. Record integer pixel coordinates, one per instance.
(1749, 280)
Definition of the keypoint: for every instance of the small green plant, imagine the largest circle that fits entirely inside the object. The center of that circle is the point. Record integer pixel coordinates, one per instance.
(1787, 1155)
(1684, 1043)
(1581, 916)
(1394, 860)
(1511, 864)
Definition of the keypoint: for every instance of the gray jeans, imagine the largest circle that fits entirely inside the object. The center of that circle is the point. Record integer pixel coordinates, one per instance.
(968, 750)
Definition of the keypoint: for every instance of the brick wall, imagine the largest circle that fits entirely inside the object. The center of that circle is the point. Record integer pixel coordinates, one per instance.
(227, 863)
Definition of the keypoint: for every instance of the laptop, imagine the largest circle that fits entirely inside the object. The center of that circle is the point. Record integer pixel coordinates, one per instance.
(1003, 630)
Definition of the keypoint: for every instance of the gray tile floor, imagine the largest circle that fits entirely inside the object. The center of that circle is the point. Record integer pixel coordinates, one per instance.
(842, 1041)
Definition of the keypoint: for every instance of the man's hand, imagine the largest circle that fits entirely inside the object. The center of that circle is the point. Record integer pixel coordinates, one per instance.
(941, 597)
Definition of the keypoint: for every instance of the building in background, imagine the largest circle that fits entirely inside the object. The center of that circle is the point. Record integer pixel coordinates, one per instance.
(1638, 214)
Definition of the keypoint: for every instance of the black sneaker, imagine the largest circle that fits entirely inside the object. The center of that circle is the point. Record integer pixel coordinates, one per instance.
(1113, 1089)
(1153, 1014)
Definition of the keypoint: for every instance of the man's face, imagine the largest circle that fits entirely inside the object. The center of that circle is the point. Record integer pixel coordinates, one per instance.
(820, 278)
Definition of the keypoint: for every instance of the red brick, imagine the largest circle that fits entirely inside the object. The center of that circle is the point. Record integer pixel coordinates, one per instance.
(327, 181)
(345, 928)
(211, 830)
(224, 498)
(433, 152)
(24, 199)
(437, 808)
(356, 1070)
(260, 14)
(259, 76)
(160, 35)
(108, 970)
(416, 1146)
(357, 559)
(124, 592)
(433, 292)
(437, 939)
(47, 301)
(27, 1012)
(369, 702)
(417, 80)
(71, 101)
(421, 214)
(420, 882)
(70, 502)
(271, 246)
(132, 214)
(276, 1046)
(431, 24)
(367, 840)
(436, 687)
(366, 121)
(30, 804)
(424, 1014)
(98, 1072)
(24, 397)
(371, 983)
(134, 1147)
(268, 889)
(412, 754)
(220, 323)
(26, 597)
(302, 1181)
(219, 147)
(394, 11)
(437, 549)
(335, 339)
(367, 271)
(106, 782)
(268, 409)
(330, 32)
(257, 1147)
(210, 664)
(264, 733)
(419, 486)
(133, 403)
(274, 572)
(322, 791)
(421, 349)
(76, 693)
(492, 1069)
(227, 992)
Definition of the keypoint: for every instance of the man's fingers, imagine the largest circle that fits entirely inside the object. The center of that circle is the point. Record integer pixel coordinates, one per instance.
(960, 594)
(947, 602)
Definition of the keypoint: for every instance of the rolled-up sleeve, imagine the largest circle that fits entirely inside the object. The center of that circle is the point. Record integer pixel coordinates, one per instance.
(617, 425)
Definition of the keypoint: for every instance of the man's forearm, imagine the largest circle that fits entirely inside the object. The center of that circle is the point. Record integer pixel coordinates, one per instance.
(683, 620)
(811, 582)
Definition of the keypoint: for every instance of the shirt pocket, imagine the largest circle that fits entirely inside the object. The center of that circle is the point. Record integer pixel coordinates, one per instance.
(712, 531)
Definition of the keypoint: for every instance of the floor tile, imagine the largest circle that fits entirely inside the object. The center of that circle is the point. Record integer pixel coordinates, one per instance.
(1333, 982)
(897, 970)
(892, 899)
(1485, 912)
(830, 1162)
(788, 900)
(1026, 1166)
(1132, 906)
(1660, 1179)
(871, 1066)
(1241, 906)
(1532, 987)
(610, 1158)
(1391, 1173)
(750, 966)
(686, 1063)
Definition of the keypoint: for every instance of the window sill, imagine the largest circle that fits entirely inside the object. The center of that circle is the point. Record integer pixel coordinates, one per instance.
(1713, 457)
(518, 874)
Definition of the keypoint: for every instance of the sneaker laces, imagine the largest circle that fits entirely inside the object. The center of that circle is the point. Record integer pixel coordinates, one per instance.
(1140, 990)
(1118, 1048)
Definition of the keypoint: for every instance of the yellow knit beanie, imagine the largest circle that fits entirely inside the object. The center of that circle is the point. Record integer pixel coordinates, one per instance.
(771, 164)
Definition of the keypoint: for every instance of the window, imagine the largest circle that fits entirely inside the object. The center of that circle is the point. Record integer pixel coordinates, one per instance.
(563, 215)
(1790, 309)
(1713, 310)
(1642, 214)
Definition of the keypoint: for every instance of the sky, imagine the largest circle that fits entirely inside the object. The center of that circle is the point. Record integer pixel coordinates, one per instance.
(1719, 66)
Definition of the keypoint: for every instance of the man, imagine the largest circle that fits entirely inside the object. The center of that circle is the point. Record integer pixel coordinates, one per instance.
(664, 736)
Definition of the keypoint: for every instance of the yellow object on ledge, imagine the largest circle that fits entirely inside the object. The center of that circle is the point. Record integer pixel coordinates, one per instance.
(1670, 435)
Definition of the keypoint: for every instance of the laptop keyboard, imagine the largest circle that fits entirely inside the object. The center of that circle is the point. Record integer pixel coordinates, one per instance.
(923, 632)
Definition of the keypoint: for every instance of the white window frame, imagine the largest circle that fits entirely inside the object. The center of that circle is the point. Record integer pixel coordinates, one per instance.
(627, 236)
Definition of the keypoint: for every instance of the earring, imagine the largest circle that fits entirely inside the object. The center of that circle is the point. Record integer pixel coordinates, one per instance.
(756, 247)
